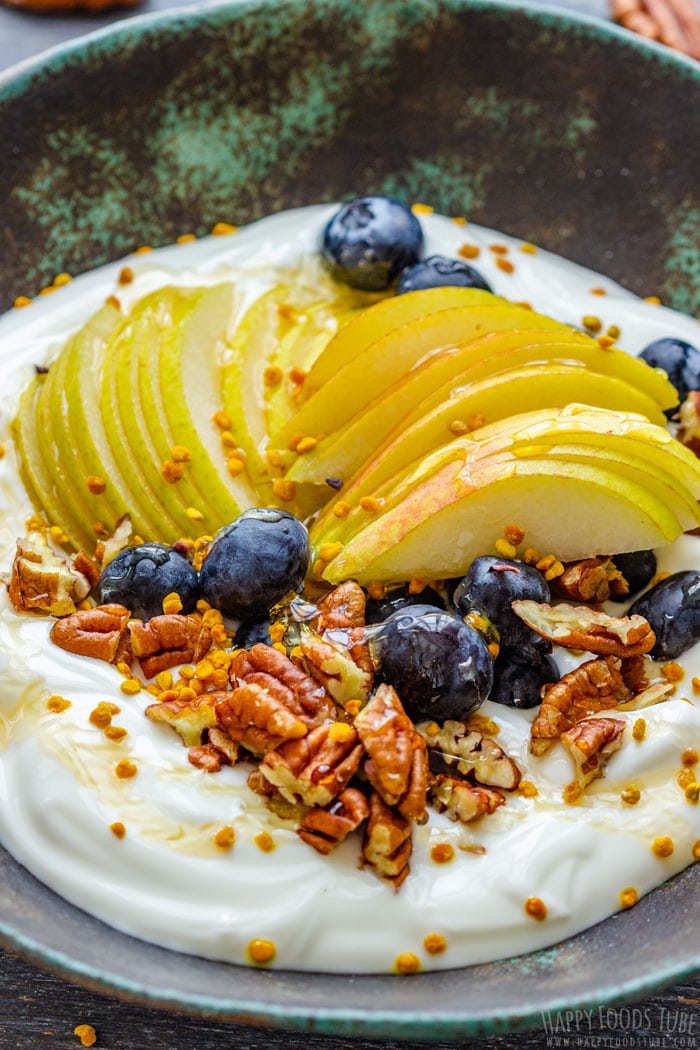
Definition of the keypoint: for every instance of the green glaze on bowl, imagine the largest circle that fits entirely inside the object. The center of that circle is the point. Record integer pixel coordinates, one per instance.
(559, 129)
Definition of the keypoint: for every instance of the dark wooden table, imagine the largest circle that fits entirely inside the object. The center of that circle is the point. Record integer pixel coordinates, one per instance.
(38, 1010)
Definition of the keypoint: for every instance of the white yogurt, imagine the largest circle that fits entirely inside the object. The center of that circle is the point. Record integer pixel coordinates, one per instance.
(166, 881)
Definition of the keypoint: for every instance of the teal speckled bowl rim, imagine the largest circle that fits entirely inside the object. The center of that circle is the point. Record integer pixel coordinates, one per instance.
(421, 1022)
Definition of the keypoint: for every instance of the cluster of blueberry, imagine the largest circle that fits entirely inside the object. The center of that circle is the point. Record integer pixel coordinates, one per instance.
(422, 644)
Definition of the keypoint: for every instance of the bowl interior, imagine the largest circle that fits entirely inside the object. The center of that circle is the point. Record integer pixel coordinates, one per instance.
(505, 114)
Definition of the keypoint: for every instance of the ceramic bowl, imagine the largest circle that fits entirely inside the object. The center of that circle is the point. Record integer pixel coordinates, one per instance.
(508, 114)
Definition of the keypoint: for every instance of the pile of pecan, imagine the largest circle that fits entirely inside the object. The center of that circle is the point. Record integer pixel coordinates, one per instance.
(675, 23)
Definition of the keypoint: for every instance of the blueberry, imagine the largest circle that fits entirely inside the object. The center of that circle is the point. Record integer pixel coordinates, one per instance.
(438, 272)
(378, 609)
(638, 568)
(491, 585)
(253, 562)
(438, 665)
(679, 360)
(672, 608)
(369, 241)
(250, 634)
(519, 675)
(141, 577)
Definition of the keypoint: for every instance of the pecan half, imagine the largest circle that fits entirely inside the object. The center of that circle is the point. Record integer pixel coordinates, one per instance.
(387, 845)
(324, 829)
(596, 685)
(463, 801)
(578, 627)
(590, 743)
(258, 721)
(333, 666)
(315, 769)
(397, 765)
(675, 23)
(470, 752)
(166, 641)
(98, 632)
(274, 671)
(590, 580)
(42, 582)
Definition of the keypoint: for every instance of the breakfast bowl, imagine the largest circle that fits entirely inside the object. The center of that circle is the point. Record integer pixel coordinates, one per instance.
(164, 129)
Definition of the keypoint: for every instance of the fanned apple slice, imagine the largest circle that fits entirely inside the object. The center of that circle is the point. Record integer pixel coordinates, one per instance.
(575, 510)
(385, 316)
(377, 366)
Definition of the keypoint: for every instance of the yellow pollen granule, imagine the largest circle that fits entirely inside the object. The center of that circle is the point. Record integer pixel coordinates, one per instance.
(210, 617)
(265, 842)
(117, 829)
(514, 534)
(297, 375)
(598, 291)
(458, 427)
(662, 847)
(469, 251)
(47, 291)
(328, 551)
(22, 300)
(283, 490)
(629, 897)
(653, 300)
(126, 275)
(101, 715)
(223, 229)
(536, 908)
(475, 421)
(631, 795)
(341, 733)
(406, 963)
(684, 778)
(272, 375)
(505, 549)
(572, 793)
(58, 535)
(172, 472)
(527, 789)
(225, 837)
(125, 769)
(442, 853)
(222, 420)
(180, 454)
(614, 331)
(605, 342)
(261, 951)
(376, 591)
(56, 704)
(86, 1034)
(505, 265)
(696, 684)
(143, 250)
(228, 442)
(696, 850)
(459, 220)
(529, 249)
(193, 514)
(341, 509)
(234, 466)
(172, 604)
(370, 504)
(689, 757)
(531, 556)
(592, 323)
(432, 729)
(306, 444)
(639, 730)
(187, 692)
(485, 726)
(353, 707)
(131, 687)
(545, 563)
(498, 249)
(95, 484)
(186, 238)
(115, 733)
(417, 585)
(280, 647)
(434, 944)
(554, 570)
(277, 632)
(692, 793)
(672, 672)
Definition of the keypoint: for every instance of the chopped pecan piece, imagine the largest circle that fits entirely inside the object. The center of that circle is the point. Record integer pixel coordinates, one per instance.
(205, 757)
(333, 666)
(110, 547)
(86, 567)
(590, 743)
(595, 686)
(42, 582)
(397, 765)
(387, 845)
(463, 801)
(675, 23)
(578, 627)
(273, 670)
(471, 752)
(689, 428)
(166, 641)
(274, 799)
(223, 743)
(253, 717)
(324, 829)
(315, 769)
(341, 620)
(590, 580)
(653, 694)
(190, 718)
(93, 632)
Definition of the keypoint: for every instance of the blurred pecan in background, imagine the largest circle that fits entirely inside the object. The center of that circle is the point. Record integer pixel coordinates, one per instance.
(675, 23)
(70, 5)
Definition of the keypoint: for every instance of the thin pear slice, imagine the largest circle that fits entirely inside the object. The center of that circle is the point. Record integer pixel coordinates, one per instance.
(40, 481)
(382, 363)
(573, 509)
(383, 318)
